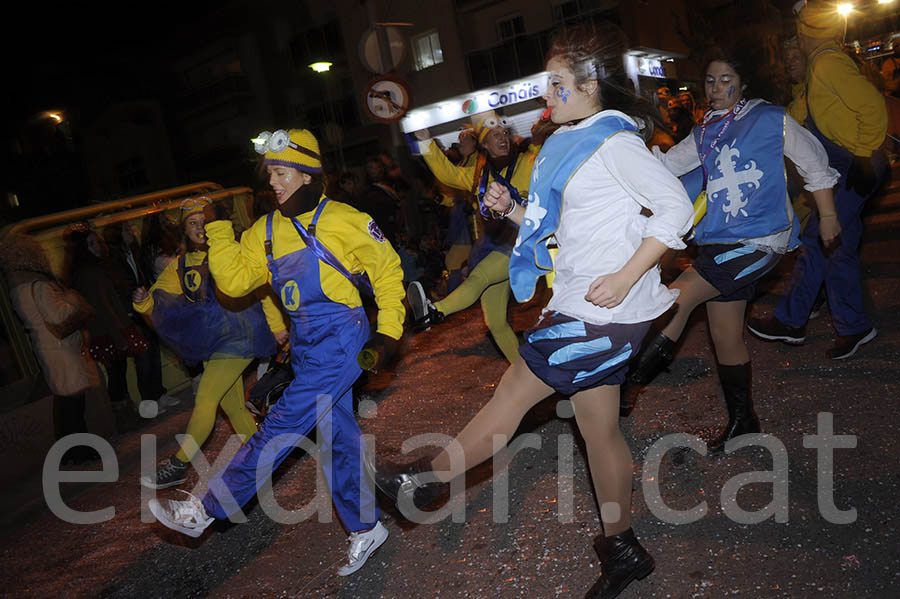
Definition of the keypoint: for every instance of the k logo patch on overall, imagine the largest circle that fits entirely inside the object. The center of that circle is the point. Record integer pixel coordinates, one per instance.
(192, 280)
(290, 295)
(375, 232)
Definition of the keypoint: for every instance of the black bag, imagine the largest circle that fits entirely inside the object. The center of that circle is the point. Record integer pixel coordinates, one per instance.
(269, 388)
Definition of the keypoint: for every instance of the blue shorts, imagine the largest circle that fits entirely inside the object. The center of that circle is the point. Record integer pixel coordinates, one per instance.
(571, 356)
(734, 268)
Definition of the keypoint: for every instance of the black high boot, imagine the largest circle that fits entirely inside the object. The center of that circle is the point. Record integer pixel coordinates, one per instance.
(655, 357)
(736, 383)
(622, 559)
(414, 481)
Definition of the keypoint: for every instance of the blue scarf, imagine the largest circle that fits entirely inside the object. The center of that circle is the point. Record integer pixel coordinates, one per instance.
(560, 157)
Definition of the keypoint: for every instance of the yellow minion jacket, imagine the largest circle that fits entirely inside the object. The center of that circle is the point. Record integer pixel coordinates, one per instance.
(797, 106)
(168, 282)
(241, 267)
(845, 106)
(463, 177)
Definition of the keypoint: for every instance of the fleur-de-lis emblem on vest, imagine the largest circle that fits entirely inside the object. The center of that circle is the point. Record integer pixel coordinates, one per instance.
(731, 180)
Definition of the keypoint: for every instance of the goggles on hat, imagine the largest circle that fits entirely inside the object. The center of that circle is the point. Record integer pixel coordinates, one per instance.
(491, 122)
(278, 142)
(194, 203)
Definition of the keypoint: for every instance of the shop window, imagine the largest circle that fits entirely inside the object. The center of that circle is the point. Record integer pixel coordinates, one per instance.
(577, 10)
(427, 50)
(510, 27)
(481, 69)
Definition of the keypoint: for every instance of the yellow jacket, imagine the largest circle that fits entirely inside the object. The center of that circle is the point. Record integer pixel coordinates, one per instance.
(846, 107)
(239, 268)
(463, 177)
(797, 107)
(168, 282)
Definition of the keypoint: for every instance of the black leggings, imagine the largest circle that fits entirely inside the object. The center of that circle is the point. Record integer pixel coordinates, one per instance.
(68, 415)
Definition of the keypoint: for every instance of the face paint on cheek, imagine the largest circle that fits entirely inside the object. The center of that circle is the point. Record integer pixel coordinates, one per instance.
(288, 177)
(730, 91)
(563, 94)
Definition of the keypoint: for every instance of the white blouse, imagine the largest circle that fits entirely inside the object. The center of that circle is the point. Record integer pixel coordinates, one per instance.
(800, 146)
(601, 227)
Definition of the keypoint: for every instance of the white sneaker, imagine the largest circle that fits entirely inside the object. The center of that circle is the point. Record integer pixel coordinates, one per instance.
(187, 517)
(168, 401)
(362, 545)
(149, 408)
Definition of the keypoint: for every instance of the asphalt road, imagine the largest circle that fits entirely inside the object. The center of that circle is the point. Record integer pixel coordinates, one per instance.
(537, 543)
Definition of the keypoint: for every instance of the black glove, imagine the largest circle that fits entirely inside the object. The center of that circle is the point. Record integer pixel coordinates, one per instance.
(215, 211)
(861, 176)
(384, 349)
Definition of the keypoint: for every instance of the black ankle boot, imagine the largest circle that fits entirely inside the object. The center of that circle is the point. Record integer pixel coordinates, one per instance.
(736, 383)
(655, 357)
(622, 560)
(414, 482)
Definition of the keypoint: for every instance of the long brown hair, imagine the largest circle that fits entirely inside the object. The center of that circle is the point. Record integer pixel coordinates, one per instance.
(594, 51)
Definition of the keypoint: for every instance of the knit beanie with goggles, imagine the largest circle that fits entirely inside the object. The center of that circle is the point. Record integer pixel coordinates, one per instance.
(296, 148)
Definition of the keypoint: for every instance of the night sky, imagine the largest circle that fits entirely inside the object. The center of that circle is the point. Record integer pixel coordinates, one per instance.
(86, 55)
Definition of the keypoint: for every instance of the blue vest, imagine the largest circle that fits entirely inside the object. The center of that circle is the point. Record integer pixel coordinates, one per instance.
(561, 155)
(746, 190)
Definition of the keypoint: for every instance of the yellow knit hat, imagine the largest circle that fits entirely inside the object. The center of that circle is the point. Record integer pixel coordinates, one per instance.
(192, 206)
(485, 121)
(819, 21)
(296, 148)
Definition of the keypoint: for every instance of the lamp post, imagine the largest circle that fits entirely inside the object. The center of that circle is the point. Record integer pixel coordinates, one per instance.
(844, 9)
(332, 130)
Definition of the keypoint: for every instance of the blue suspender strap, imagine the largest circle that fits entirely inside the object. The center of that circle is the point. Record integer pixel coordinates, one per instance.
(315, 218)
(270, 260)
(324, 254)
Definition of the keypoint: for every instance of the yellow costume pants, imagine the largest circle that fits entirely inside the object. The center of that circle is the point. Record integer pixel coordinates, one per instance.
(490, 281)
(220, 384)
(456, 256)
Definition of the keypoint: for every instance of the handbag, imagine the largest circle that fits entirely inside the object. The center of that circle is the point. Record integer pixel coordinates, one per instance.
(68, 314)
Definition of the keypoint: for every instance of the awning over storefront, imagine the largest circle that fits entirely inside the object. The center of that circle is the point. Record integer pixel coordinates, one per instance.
(447, 116)
(650, 62)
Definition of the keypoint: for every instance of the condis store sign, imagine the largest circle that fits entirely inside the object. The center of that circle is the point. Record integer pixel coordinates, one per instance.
(463, 106)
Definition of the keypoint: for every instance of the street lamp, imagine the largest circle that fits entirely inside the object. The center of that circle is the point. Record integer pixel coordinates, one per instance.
(332, 130)
(844, 9)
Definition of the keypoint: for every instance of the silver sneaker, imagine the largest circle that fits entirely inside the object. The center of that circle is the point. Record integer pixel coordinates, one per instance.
(187, 517)
(168, 401)
(171, 473)
(362, 545)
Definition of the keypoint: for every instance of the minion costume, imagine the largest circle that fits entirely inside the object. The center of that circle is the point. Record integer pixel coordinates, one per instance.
(847, 115)
(328, 329)
(489, 259)
(224, 333)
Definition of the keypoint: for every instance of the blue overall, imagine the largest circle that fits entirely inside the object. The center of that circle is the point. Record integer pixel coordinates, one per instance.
(840, 270)
(326, 337)
(199, 328)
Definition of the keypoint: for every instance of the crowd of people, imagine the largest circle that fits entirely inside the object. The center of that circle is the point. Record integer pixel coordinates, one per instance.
(607, 183)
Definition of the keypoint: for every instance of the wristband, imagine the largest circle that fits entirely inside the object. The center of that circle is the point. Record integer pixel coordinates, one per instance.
(509, 210)
(829, 215)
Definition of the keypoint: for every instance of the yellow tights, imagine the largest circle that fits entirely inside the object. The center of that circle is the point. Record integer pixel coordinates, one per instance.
(220, 384)
(489, 280)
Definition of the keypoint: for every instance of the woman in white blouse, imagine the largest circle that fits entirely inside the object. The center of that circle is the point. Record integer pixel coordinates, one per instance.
(590, 182)
(739, 149)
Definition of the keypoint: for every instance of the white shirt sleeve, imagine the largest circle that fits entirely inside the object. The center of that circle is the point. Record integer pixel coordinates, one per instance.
(681, 158)
(807, 153)
(652, 186)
